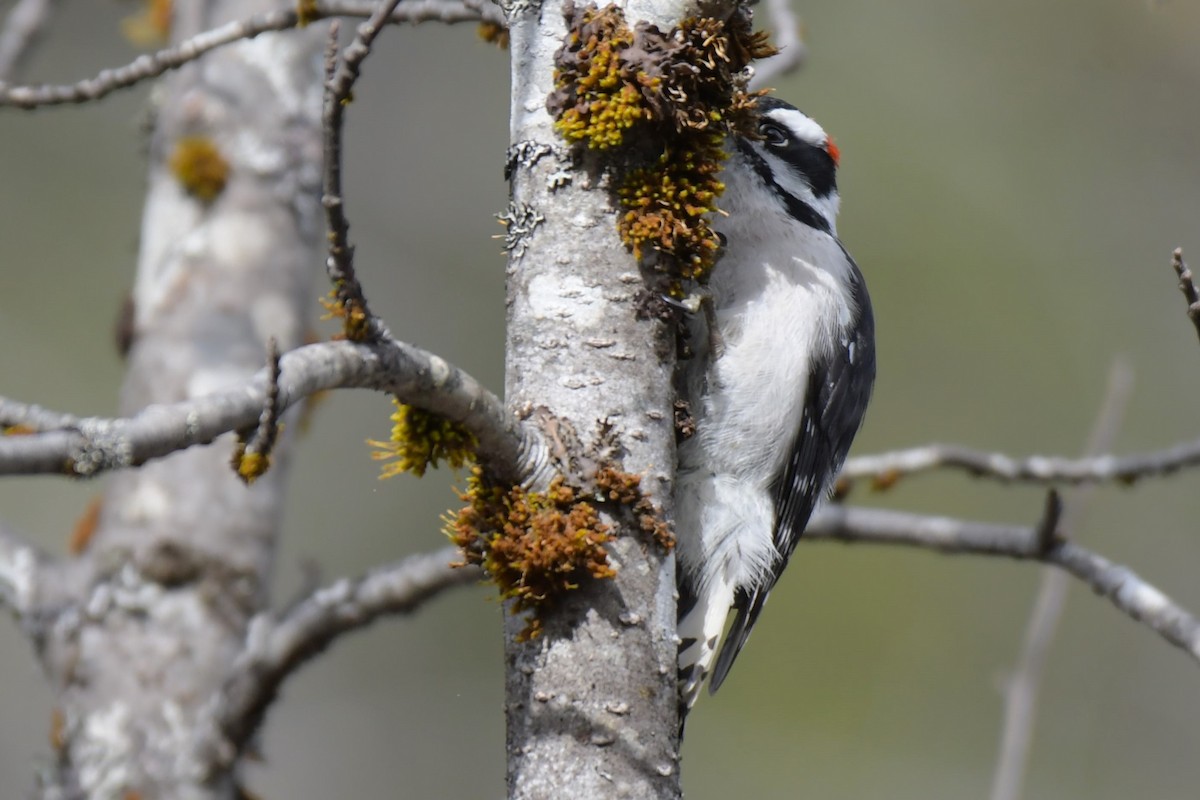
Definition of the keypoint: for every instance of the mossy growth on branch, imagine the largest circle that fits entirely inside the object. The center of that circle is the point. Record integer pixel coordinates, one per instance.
(660, 107)
(668, 205)
(339, 304)
(201, 169)
(538, 546)
(249, 465)
(420, 440)
(493, 33)
(626, 488)
(535, 546)
(307, 12)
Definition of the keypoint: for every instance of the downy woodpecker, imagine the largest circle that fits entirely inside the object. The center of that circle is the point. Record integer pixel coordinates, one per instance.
(782, 372)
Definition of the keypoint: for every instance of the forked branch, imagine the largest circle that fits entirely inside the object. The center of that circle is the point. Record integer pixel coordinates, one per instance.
(154, 64)
(83, 447)
(884, 469)
(1122, 586)
(277, 645)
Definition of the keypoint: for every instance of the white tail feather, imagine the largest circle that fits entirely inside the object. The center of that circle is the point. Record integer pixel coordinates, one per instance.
(700, 633)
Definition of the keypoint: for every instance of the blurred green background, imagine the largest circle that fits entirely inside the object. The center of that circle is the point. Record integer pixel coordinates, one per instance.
(1015, 176)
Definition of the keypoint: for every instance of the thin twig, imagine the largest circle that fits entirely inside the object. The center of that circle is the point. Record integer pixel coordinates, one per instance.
(1021, 689)
(152, 65)
(785, 29)
(1122, 586)
(340, 76)
(252, 457)
(22, 28)
(884, 469)
(1048, 530)
(512, 449)
(416, 11)
(1188, 287)
(276, 647)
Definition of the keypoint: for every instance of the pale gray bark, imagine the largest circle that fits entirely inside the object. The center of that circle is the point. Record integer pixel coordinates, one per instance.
(183, 551)
(88, 446)
(591, 705)
(20, 30)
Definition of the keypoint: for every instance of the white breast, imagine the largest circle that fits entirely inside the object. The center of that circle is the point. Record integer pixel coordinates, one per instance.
(780, 300)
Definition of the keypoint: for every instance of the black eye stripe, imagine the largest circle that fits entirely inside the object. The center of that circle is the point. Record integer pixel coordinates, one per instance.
(814, 163)
(799, 209)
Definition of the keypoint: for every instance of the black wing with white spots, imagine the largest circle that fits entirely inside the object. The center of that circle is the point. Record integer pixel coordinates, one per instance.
(835, 403)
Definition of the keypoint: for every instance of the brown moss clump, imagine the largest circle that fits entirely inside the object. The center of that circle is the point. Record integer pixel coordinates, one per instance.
(198, 165)
(666, 102)
(307, 12)
(597, 95)
(494, 33)
(626, 488)
(420, 440)
(535, 546)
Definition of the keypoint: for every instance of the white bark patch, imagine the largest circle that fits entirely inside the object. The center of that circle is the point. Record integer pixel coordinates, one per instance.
(566, 297)
(334, 595)
(1135, 593)
(168, 212)
(581, 381)
(664, 13)
(439, 371)
(149, 501)
(103, 752)
(21, 574)
(236, 240)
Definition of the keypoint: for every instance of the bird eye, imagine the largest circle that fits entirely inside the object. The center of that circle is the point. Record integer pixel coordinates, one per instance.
(772, 134)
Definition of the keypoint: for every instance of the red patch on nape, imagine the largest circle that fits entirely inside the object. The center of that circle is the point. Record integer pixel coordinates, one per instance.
(832, 149)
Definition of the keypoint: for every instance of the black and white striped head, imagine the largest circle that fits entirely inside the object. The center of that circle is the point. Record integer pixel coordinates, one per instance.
(796, 161)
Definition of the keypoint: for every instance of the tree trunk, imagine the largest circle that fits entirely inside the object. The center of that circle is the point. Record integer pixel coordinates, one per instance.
(591, 704)
(182, 554)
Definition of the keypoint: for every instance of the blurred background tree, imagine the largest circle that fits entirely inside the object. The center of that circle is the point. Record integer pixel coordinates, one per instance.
(1014, 179)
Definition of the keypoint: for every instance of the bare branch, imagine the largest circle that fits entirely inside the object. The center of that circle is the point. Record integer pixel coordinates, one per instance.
(340, 76)
(17, 419)
(785, 29)
(1122, 586)
(277, 647)
(1021, 690)
(88, 446)
(22, 27)
(885, 469)
(1188, 287)
(155, 64)
(448, 11)
(147, 66)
